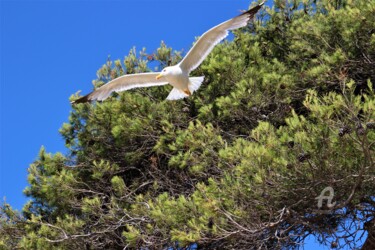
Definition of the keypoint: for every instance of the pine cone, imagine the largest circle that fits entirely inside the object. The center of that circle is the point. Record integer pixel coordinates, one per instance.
(370, 125)
(344, 130)
(303, 157)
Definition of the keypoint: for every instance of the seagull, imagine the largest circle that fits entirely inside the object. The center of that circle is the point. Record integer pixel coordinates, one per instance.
(177, 75)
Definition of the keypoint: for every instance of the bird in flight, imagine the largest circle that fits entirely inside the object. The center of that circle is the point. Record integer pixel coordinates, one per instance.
(177, 75)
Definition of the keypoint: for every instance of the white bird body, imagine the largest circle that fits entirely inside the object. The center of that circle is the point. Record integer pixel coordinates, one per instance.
(177, 75)
(183, 85)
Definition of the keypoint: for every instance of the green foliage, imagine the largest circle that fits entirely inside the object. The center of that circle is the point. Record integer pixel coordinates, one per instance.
(287, 109)
(194, 148)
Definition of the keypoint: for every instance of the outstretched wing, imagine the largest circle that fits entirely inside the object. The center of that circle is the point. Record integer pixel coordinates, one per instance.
(208, 40)
(122, 83)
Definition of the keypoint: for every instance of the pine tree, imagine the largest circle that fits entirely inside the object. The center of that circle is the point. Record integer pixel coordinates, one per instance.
(287, 110)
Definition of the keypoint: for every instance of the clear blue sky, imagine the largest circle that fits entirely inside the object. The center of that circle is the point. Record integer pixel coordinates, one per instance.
(51, 49)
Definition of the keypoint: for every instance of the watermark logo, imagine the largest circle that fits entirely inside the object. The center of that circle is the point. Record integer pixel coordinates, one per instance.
(328, 197)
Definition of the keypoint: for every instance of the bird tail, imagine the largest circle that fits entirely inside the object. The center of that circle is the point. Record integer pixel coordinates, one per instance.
(195, 83)
(176, 94)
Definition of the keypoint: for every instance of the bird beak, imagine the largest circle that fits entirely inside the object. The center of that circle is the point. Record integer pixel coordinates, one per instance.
(159, 76)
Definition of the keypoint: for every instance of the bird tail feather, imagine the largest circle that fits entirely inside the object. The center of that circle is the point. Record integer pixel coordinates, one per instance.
(176, 94)
(194, 84)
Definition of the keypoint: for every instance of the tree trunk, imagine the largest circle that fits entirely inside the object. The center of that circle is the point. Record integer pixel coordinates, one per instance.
(370, 241)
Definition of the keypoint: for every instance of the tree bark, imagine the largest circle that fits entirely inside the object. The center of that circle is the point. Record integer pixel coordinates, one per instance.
(370, 241)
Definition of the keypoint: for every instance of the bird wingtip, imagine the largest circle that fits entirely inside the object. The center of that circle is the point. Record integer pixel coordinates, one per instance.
(82, 99)
(254, 9)
(261, 4)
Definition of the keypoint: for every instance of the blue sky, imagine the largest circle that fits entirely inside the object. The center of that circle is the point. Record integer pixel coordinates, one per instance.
(51, 49)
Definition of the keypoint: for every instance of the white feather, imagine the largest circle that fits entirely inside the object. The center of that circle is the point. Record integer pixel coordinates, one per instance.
(212, 37)
(195, 83)
(176, 94)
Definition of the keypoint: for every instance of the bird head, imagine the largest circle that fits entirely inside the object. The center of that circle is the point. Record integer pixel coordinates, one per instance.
(164, 73)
